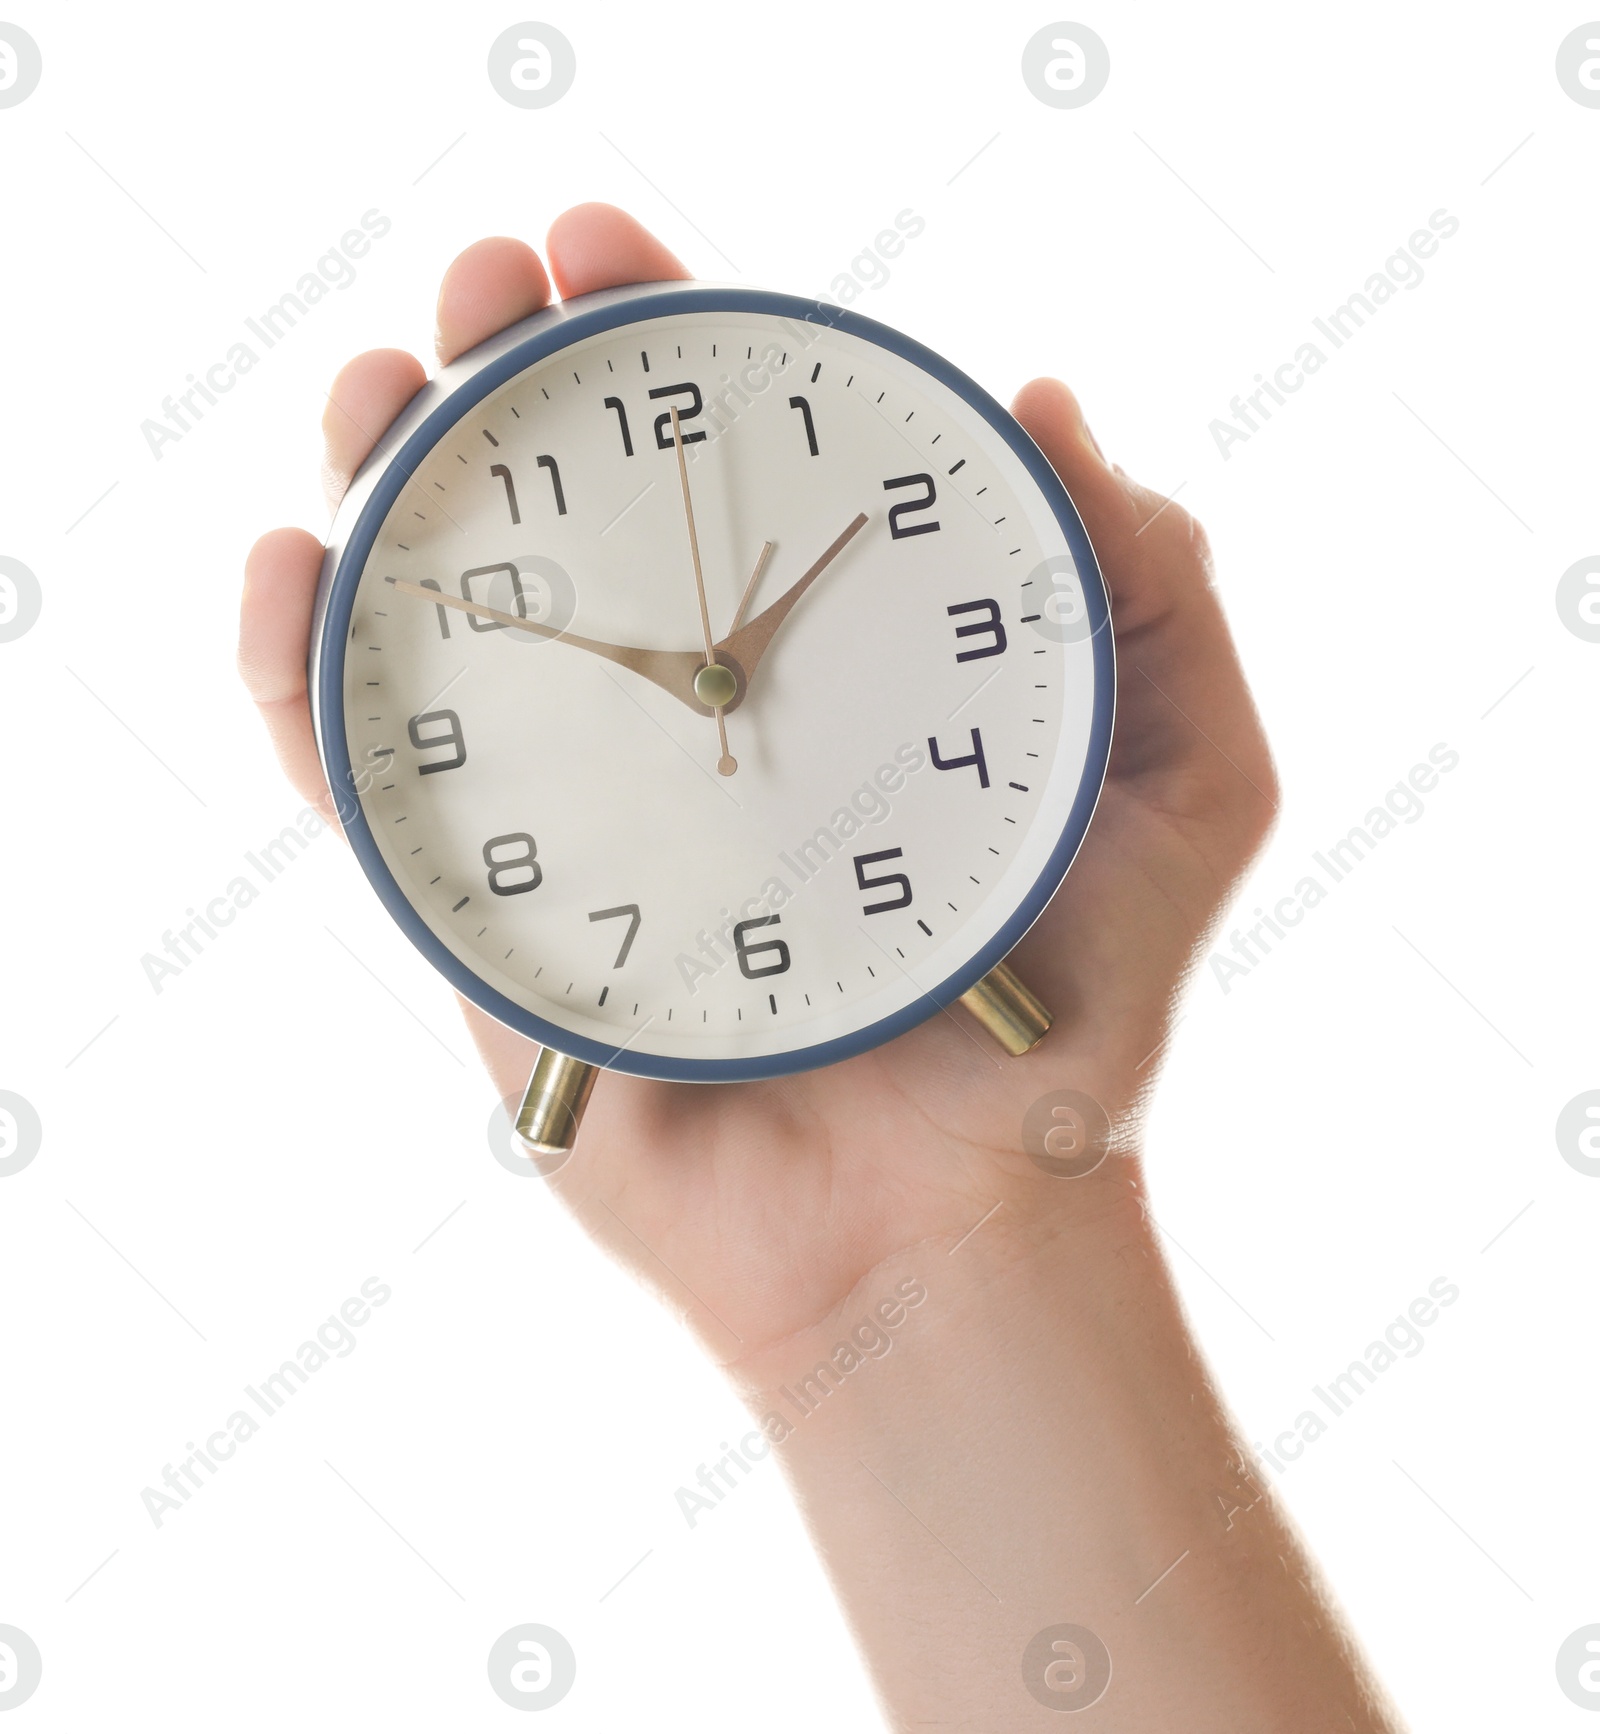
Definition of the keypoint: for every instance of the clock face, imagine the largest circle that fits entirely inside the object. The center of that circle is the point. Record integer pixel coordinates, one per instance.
(916, 704)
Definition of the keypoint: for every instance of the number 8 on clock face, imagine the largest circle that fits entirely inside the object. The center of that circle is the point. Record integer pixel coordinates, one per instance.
(713, 683)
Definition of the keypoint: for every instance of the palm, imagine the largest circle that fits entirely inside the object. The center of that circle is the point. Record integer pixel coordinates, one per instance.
(758, 1208)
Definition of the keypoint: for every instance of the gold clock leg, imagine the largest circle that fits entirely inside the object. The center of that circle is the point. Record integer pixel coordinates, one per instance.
(553, 1103)
(1016, 1019)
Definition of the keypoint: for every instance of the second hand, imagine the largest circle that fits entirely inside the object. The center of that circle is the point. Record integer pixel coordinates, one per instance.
(714, 685)
(750, 587)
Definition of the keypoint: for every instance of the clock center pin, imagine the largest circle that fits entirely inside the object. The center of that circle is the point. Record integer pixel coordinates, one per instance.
(715, 686)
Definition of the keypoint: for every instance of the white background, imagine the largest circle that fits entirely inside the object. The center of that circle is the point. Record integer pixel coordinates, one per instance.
(1364, 1112)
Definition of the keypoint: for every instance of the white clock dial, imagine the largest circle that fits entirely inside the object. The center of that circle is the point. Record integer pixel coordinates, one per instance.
(917, 744)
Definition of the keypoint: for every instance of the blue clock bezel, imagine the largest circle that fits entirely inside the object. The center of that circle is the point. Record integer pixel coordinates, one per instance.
(549, 332)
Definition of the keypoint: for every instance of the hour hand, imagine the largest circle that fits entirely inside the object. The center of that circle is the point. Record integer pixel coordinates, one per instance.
(672, 670)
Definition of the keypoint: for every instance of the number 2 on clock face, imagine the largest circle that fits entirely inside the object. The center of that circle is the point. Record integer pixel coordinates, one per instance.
(913, 669)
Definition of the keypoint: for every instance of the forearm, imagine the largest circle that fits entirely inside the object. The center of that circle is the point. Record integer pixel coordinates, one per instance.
(1042, 1446)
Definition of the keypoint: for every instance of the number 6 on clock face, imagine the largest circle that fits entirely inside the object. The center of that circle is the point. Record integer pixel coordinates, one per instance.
(686, 680)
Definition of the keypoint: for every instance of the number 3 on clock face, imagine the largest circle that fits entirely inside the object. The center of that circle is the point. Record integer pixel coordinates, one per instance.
(514, 700)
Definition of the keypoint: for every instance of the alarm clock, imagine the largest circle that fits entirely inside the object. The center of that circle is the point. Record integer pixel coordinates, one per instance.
(712, 684)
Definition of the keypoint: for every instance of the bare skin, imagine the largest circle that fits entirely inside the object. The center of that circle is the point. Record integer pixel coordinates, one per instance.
(1043, 1441)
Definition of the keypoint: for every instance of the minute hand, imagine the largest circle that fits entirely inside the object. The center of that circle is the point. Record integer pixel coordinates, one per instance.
(749, 644)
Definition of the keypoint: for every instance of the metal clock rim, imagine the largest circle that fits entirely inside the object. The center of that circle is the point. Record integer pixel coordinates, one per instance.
(429, 416)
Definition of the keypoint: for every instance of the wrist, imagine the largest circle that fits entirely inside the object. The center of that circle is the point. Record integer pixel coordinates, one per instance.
(1010, 1433)
(1048, 1257)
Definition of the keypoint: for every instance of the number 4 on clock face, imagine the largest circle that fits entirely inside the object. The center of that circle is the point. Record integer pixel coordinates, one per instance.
(975, 758)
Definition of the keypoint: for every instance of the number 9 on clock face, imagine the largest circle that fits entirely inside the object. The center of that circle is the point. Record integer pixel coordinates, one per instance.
(713, 684)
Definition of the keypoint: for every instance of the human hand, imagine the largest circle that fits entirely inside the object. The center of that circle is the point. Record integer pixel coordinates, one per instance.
(759, 1208)
(1050, 1422)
